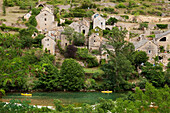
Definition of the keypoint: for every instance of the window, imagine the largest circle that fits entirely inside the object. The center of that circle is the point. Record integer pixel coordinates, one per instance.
(163, 39)
(96, 29)
(94, 40)
(149, 51)
(45, 14)
(49, 51)
(47, 44)
(65, 44)
(45, 19)
(47, 40)
(84, 31)
(45, 24)
(101, 23)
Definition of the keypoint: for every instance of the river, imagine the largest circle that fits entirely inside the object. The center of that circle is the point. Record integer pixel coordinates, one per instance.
(76, 98)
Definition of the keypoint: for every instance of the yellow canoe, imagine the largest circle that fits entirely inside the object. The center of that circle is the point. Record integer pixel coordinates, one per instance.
(106, 91)
(26, 94)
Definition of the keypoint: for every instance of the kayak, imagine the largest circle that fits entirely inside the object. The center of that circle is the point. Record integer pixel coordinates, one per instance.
(26, 94)
(106, 91)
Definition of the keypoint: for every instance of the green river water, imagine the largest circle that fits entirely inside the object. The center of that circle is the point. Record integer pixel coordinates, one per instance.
(76, 98)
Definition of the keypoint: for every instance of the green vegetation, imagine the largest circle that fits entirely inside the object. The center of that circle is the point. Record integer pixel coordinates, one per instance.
(162, 26)
(72, 74)
(111, 21)
(152, 100)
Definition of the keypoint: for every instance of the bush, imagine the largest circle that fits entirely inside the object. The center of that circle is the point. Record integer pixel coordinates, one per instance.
(143, 25)
(120, 5)
(92, 62)
(162, 26)
(70, 51)
(95, 52)
(68, 22)
(125, 16)
(83, 54)
(32, 21)
(111, 21)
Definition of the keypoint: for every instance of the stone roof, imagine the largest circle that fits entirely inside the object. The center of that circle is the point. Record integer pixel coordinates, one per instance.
(158, 36)
(140, 43)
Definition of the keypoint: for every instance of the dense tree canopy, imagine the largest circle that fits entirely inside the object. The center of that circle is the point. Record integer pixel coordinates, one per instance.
(72, 74)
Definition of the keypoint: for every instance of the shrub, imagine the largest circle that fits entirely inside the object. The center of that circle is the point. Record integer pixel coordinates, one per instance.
(70, 51)
(120, 5)
(68, 21)
(95, 52)
(162, 26)
(111, 21)
(32, 21)
(92, 62)
(142, 25)
(125, 16)
(83, 54)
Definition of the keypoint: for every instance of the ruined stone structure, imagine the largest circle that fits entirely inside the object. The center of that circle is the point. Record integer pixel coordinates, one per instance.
(49, 44)
(98, 21)
(82, 26)
(163, 39)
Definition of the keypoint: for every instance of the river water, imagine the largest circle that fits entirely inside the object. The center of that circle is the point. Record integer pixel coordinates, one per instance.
(76, 98)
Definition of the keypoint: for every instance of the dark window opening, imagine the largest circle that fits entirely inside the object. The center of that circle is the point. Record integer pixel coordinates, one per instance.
(149, 51)
(160, 58)
(94, 40)
(49, 51)
(45, 19)
(101, 23)
(65, 44)
(163, 39)
(84, 31)
(45, 14)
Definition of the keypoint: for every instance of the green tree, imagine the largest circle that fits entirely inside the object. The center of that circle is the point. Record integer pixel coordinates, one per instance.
(111, 21)
(78, 39)
(154, 74)
(119, 68)
(47, 75)
(72, 74)
(68, 31)
(32, 21)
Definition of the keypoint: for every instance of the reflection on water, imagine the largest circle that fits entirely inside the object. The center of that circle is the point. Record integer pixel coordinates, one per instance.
(46, 98)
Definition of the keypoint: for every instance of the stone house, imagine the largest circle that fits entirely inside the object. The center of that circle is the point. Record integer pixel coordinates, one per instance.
(148, 46)
(64, 41)
(45, 20)
(98, 21)
(82, 26)
(94, 42)
(49, 44)
(163, 39)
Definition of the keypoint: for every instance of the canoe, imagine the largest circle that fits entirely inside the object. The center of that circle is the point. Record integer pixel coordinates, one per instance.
(106, 91)
(26, 94)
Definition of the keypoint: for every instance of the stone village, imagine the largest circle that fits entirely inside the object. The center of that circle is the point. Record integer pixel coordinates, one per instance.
(142, 42)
